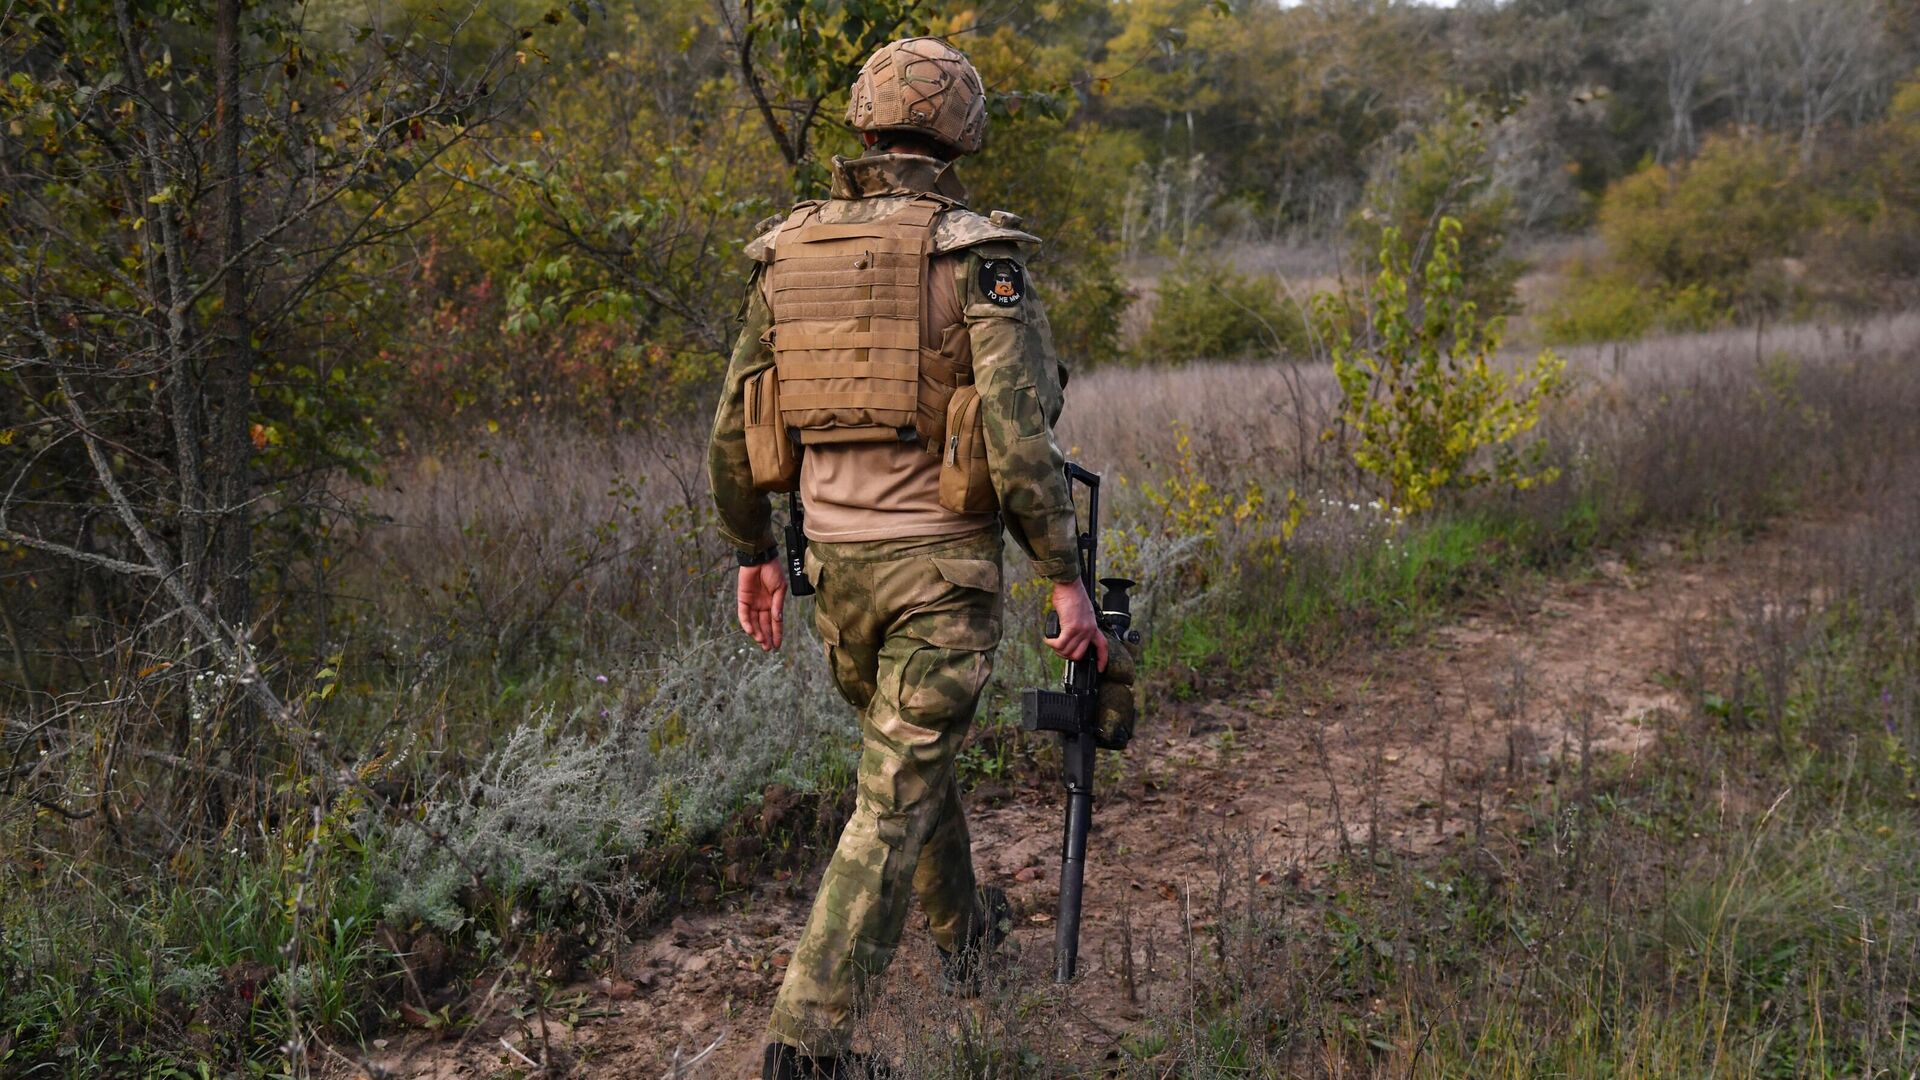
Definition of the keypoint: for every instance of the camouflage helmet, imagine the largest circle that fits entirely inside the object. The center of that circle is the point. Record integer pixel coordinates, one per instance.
(924, 86)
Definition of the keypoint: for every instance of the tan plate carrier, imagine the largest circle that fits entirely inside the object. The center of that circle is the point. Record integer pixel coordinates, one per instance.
(849, 303)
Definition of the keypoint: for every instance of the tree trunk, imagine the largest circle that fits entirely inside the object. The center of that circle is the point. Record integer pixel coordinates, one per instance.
(229, 383)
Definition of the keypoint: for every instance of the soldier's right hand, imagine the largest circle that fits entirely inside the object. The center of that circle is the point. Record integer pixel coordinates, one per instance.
(763, 592)
(1079, 627)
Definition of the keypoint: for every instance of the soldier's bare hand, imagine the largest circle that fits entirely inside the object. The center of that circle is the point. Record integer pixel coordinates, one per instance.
(1079, 627)
(763, 592)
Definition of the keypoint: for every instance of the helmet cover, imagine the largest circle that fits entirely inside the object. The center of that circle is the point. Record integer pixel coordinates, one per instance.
(923, 86)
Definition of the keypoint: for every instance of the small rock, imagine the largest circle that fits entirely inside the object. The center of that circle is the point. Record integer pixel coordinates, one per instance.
(617, 989)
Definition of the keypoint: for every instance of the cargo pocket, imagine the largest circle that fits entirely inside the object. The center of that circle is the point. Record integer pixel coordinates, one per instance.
(966, 486)
(855, 687)
(774, 460)
(939, 690)
(981, 574)
(965, 616)
(949, 646)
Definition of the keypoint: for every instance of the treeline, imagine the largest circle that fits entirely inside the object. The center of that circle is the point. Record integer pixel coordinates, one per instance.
(603, 225)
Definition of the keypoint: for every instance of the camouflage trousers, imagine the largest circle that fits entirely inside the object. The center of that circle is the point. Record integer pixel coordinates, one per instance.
(910, 627)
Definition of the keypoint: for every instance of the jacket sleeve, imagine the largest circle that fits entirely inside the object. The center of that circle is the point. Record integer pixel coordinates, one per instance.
(746, 515)
(1018, 376)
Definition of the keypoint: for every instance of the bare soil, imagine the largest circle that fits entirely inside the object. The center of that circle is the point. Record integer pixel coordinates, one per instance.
(1394, 750)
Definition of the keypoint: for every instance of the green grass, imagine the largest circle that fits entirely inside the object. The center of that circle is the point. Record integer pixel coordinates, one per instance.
(99, 975)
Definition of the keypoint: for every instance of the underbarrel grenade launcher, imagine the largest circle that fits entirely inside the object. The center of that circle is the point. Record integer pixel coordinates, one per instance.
(1073, 712)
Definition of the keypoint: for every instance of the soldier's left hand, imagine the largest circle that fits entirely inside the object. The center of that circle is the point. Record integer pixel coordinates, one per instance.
(763, 592)
(1079, 626)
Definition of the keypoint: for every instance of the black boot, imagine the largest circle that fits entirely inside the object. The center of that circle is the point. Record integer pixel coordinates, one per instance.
(783, 1062)
(963, 969)
(780, 1064)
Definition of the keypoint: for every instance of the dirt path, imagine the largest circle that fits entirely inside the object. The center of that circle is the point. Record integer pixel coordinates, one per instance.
(1402, 747)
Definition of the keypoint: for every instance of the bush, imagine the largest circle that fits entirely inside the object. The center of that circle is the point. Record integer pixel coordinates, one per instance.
(1867, 252)
(1720, 223)
(1700, 243)
(1696, 245)
(1425, 405)
(1207, 311)
(559, 807)
(1605, 305)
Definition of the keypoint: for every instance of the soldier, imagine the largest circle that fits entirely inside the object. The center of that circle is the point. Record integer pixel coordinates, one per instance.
(896, 369)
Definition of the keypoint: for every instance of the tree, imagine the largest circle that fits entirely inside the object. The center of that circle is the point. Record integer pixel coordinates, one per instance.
(181, 339)
(795, 56)
(1691, 37)
(1832, 60)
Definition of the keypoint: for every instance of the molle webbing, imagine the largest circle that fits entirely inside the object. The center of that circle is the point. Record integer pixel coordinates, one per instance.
(847, 310)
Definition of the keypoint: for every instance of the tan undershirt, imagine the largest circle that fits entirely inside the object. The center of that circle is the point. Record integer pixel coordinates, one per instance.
(880, 491)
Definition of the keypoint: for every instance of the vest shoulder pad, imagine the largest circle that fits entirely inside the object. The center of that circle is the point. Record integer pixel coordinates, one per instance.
(957, 230)
(760, 248)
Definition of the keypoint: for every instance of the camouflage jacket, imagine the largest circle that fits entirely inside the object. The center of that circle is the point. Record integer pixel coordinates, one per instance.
(1019, 376)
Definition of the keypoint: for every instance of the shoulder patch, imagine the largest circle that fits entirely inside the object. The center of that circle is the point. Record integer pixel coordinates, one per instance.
(957, 230)
(1002, 282)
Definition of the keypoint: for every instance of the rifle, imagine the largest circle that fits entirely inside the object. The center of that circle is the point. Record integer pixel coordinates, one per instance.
(1073, 712)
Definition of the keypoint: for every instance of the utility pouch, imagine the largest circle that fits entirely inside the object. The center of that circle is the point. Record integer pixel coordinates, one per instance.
(966, 487)
(942, 371)
(774, 458)
(1117, 709)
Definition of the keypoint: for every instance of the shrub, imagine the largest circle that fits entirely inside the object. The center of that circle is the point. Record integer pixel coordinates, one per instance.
(1869, 244)
(1718, 224)
(1422, 398)
(1597, 307)
(1606, 305)
(559, 806)
(1207, 311)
